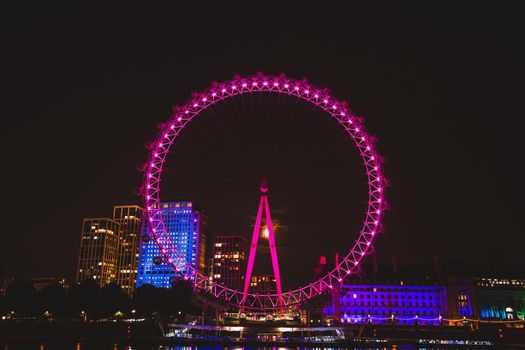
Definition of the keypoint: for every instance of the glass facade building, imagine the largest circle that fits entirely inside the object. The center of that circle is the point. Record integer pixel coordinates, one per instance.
(186, 227)
(129, 218)
(99, 245)
(109, 248)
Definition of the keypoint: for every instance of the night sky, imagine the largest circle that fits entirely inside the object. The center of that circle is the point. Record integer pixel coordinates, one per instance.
(440, 87)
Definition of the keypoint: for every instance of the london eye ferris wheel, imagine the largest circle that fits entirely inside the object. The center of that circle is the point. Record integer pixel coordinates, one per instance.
(278, 85)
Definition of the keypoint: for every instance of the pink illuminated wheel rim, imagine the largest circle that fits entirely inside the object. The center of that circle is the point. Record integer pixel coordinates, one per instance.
(279, 85)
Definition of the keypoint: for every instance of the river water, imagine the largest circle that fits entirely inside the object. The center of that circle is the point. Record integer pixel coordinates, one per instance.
(50, 345)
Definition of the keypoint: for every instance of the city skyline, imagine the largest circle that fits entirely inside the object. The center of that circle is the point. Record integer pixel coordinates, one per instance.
(451, 193)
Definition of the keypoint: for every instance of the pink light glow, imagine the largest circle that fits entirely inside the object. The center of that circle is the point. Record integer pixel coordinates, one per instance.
(263, 205)
(375, 180)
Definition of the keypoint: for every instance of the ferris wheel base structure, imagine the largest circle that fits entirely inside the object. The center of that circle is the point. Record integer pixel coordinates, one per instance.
(264, 209)
(266, 84)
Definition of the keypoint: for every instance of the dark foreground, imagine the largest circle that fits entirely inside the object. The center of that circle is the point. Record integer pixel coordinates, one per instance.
(146, 335)
(91, 345)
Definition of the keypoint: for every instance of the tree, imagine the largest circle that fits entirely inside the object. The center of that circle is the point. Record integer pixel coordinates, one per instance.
(85, 296)
(181, 294)
(113, 299)
(53, 298)
(147, 300)
(3, 304)
(21, 297)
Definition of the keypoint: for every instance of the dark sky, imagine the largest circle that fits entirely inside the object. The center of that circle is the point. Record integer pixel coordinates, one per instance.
(440, 87)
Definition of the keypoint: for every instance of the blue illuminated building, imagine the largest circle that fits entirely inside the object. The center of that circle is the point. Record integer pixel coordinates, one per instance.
(186, 226)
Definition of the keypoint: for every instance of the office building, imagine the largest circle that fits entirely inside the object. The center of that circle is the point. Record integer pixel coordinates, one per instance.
(263, 284)
(99, 246)
(129, 218)
(229, 261)
(186, 227)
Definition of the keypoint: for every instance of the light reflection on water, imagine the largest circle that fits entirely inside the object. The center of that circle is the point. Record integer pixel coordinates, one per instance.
(116, 346)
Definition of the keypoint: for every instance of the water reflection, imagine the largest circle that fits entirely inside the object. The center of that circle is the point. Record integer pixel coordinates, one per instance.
(123, 346)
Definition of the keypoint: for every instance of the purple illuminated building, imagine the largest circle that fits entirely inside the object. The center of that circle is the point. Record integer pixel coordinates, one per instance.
(408, 304)
(417, 296)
